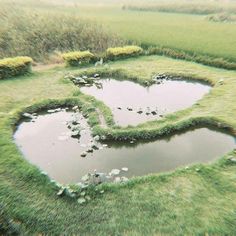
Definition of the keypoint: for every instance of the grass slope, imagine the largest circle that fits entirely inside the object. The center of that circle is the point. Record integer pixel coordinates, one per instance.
(185, 202)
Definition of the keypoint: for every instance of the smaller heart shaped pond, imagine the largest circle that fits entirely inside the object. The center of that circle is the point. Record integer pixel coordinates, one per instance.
(132, 103)
(51, 142)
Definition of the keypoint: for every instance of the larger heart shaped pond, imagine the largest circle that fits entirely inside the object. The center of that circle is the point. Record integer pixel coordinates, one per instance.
(47, 143)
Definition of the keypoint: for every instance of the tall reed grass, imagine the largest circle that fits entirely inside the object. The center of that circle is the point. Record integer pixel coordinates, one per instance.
(38, 34)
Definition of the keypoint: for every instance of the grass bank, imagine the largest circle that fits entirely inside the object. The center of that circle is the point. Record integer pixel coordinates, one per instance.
(194, 201)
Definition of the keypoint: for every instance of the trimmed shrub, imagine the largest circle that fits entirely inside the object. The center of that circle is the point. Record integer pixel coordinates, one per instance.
(78, 58)
(10, 67)
(123, 52)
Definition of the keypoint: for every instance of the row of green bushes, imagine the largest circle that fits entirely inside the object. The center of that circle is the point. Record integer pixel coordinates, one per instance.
(10, 67)
(188, 56)
(85, 57)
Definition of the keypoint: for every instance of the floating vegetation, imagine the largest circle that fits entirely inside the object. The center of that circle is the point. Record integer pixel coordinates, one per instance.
(87, 189)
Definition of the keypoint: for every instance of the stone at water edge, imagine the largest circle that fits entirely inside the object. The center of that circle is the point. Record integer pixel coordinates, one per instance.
(117, 180)
(115, 172)
(97, 138)
(75, 108)
(124, 179)
(51, 111)
(233, 160)
(61, 192)
(28, 115)
(96, 75)
(85, 177)
(58, 109)
(124, 169)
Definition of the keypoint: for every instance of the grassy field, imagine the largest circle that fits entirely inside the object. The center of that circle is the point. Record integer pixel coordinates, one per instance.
(185, 202)
(191, 33)
(199, 200)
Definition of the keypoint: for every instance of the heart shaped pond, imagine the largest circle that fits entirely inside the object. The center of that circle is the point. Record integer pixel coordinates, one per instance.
(132, 103)
(47, 143)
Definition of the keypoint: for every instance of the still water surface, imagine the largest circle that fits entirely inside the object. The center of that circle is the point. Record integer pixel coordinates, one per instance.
(46, 143)
(164, 98)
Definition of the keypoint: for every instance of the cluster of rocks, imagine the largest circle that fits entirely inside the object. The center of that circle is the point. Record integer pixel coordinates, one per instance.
(82, 190)
(30, 116)
(147, 111)
(160, 78)
(99, 178)
(57, 110)
(84, 80)
(93, 146)
(33, 116)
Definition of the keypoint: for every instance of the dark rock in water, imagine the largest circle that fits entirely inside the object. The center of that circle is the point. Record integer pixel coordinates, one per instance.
(83, 154)
(75, 133)
(161, 115)
(90, 150)
(119, 108)
(154, 113)
(139, 111)
(95, 147)
(129, 108)
(147, 113)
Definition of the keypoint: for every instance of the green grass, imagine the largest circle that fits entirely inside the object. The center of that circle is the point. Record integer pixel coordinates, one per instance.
(184, 202)
(190, 33)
